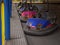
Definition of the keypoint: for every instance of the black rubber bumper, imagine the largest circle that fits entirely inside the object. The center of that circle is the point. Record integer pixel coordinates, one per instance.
(38, 32)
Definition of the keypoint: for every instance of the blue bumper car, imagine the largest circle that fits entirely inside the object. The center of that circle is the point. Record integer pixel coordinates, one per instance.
(38, 26)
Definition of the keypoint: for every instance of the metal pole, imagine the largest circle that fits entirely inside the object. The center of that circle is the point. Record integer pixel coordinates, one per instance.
(30, 1)
(47, 5)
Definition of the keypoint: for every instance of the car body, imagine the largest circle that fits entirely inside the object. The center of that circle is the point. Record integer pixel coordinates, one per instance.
(28, 14)
(37, 23)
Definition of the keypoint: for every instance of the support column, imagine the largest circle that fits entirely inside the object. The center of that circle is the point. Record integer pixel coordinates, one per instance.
(7, 20)
(10, 8)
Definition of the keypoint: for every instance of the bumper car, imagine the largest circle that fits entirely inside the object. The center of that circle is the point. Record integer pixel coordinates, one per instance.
(26, 10)
(27, 14)
(23, 6)
(38, 26)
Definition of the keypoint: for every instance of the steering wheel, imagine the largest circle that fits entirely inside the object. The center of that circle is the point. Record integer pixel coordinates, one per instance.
(35, 8)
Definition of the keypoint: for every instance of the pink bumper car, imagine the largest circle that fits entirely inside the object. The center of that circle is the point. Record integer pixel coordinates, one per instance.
(27, 14)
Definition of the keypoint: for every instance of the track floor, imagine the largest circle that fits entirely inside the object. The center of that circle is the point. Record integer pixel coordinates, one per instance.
(16, 32)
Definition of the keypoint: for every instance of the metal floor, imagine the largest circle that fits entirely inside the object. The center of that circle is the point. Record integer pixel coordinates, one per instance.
(52, 39)
(17, 34)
